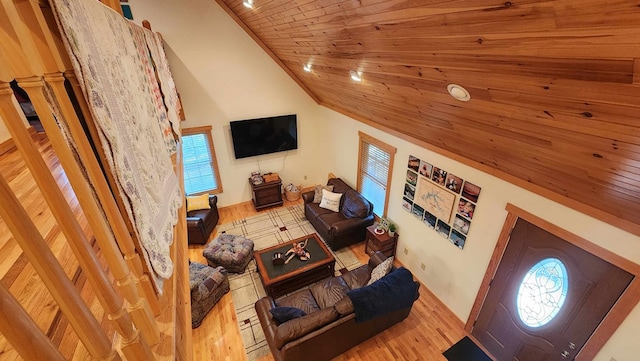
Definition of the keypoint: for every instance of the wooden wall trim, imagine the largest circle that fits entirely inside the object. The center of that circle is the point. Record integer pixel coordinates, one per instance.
(576, 240)
(626, 303)
(543, 192)
(498, 251)
(267, 50)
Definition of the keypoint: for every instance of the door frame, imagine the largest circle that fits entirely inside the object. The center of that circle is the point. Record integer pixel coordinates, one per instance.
(627, 301)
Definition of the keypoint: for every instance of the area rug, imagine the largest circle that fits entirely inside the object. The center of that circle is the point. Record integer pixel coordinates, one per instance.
(271, 227)
(465, 350)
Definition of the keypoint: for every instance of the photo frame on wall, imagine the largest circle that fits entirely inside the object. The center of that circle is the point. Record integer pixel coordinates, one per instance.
(457, 239)
(439, 176)
(434, 199)
(466, 208)
(425, 169)
(443, 201)
(417, 211)
(429, 219)
(453, 183)
(412, 178)
(461, 224)
(407, 204)
(443, 228)
(413, 164)
(471, 191)
(409, 191)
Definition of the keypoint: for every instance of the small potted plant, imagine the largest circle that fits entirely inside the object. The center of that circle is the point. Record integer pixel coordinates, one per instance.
(392, 229)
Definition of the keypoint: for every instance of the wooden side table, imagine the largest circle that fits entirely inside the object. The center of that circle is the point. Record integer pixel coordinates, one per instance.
(380, 242)
(267, 194)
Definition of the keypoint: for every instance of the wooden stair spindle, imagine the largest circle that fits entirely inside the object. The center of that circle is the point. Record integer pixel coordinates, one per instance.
(22, 332)
(110, 300)
(55, 279)
(138, 307)
(43, 35)
(109, 204)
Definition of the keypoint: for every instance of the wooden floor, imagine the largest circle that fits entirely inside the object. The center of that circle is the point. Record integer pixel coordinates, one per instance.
(17, 274)
(429, 330)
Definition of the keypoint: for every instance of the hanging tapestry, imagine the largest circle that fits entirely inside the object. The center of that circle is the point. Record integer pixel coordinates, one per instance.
(115, 78)
(149, 70)
(168, 87)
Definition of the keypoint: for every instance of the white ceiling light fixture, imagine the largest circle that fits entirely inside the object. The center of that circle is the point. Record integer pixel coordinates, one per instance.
(458, 92)
(355, 75)
(248, 4)
(307, 67)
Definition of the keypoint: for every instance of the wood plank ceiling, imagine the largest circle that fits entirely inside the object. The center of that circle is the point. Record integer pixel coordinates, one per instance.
(555, 85)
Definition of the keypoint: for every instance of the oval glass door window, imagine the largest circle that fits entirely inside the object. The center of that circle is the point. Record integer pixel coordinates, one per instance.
(542, 292)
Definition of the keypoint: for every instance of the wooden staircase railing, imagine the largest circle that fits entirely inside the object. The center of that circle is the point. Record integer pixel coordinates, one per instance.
(31, 54)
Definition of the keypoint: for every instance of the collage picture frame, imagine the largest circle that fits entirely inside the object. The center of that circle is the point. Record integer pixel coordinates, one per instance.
(443, 201)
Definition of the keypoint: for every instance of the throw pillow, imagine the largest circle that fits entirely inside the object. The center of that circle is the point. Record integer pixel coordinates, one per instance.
(284, 314)
(330, 200)
(381, 270)
(195, 203)
(317, 196)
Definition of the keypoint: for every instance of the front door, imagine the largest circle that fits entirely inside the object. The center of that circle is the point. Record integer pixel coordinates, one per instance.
(546, 299)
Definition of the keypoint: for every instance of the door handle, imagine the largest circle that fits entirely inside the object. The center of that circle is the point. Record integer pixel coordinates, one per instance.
(564, 354)
(572, 345)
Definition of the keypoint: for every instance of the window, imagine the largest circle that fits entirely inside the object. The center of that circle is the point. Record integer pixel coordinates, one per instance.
(199, 159)
(375, 164)
(542, 292)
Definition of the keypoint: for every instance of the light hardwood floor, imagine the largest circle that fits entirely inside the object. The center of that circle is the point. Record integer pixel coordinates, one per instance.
(20, 277)
(430, 329)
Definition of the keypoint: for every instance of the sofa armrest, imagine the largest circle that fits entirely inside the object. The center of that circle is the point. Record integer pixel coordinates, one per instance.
(308, 196)
(268, 323)
(195, 222)
(376, 258)
(213, 201)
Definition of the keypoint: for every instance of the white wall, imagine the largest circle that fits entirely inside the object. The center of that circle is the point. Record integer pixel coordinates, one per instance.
(223, 75)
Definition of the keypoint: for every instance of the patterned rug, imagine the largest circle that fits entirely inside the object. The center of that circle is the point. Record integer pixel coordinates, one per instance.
(275, 226)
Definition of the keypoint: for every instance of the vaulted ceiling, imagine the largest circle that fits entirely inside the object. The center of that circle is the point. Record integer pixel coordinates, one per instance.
(554, 85)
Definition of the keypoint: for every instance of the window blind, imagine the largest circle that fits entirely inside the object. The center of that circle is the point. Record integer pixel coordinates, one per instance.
(374, 174)
(199, 174)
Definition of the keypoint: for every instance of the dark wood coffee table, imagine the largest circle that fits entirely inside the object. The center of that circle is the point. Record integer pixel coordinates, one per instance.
(282, 279)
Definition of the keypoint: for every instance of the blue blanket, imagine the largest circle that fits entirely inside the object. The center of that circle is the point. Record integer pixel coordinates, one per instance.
(393, 292)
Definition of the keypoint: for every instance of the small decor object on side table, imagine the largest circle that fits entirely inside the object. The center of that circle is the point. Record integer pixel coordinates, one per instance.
(298, 249)
(278, 259)
(392, 229)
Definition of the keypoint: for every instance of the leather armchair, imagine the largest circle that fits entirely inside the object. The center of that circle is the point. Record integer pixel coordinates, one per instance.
(201, 222)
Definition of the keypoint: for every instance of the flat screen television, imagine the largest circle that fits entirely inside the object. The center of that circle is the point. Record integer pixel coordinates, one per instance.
(253, 137)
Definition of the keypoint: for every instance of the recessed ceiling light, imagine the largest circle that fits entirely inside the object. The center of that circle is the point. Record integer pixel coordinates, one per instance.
(355, 75)
(248, 4)
(458, 92)
(307, 68)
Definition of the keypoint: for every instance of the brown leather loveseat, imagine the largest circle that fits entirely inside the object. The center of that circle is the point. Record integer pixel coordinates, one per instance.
(343, 228)
(333, 322)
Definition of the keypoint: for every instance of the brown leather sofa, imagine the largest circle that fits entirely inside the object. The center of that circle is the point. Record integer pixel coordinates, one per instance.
(330, 326)
(201, 222)
(343, 228)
